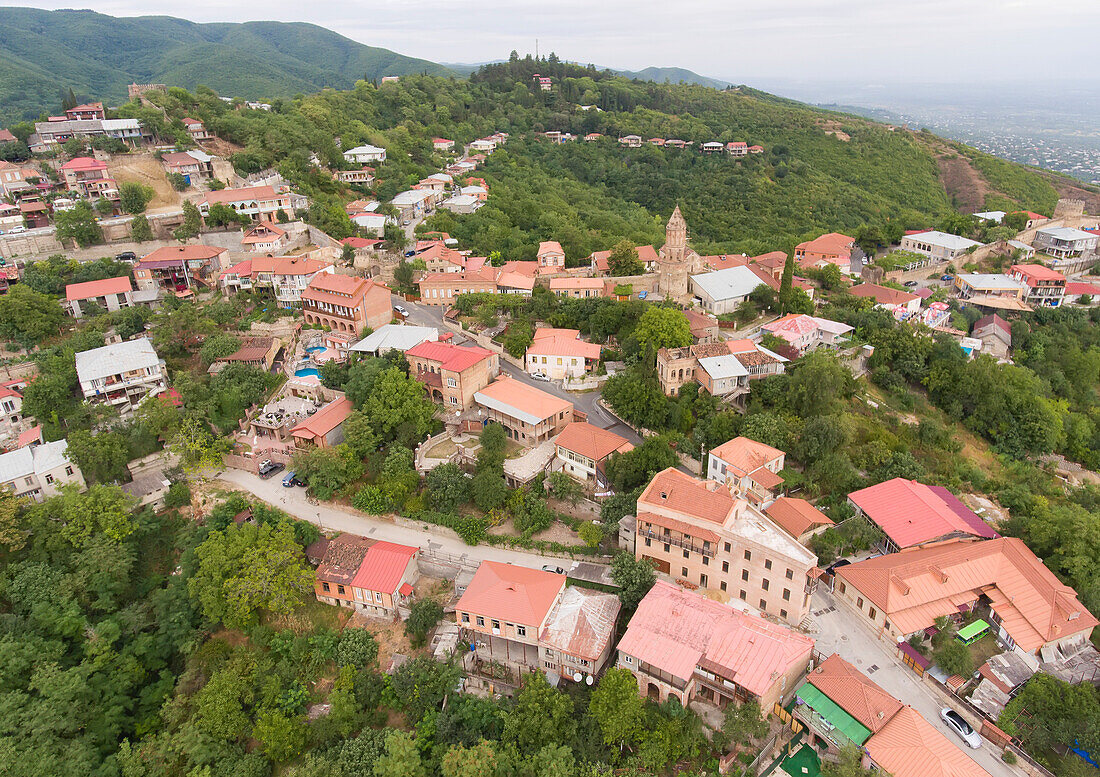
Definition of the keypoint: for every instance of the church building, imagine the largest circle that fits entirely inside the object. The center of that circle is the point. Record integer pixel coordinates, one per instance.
(677, 261)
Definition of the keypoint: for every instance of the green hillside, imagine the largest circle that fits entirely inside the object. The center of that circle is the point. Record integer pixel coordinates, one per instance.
(42, 52)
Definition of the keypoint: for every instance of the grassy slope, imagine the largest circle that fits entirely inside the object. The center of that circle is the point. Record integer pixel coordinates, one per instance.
(42, 52)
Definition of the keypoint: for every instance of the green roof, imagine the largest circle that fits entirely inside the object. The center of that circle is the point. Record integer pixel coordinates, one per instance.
(833, 713)
(967, 633)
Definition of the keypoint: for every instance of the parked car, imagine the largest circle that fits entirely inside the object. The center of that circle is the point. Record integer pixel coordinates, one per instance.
(956, 723)
(409, 253)
(288, 481)
(540, 376)
(17, 230)
(126, 256)
(401, 310)
(269, 468)
(406, 222)
(910, 283)
(552, 568)
(946, 278)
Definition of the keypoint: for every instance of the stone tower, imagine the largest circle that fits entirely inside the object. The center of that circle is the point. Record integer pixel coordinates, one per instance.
(676, 261)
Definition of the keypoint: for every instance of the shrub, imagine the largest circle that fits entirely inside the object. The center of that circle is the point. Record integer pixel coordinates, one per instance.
(357, 648)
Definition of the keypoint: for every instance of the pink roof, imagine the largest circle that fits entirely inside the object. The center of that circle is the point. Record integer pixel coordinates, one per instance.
(523, 398)
(450, 357)
(1082, 288)
(576, 283)
(239, 195)
(511, 593)
(84, 163)
(550, 247)
(240, 268)
(563, 342)
(324, 420)
(582, 623)
(515, 280)
(911, 513)
(677, 630)
(1036, 272)
(6, 136)
(746, 456)
(383, 567)
(89, 289)
(32, 435)
(910, 746)
(592, 441)
(361, 242)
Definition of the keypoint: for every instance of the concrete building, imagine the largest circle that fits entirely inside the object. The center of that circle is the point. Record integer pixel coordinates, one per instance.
(384, 581)
(830, 248)
(806, 333)
(452, 374)
(983, 286)
(560, 353)
(578, 288)
(697, 531)
(346, 303)
(111, 294)
(750, 469)
(683, 645)
(121, 374)
(722, 291)
(940, 246)
(886, 298)
(1045, 287)
(363, 154)
(38, 471)
(995, 334)
(583, 449)
(443, 288)
(259, 203)
(1072, 249)
(529, 416)
(798, 518)
(723, 369)
(179, 268)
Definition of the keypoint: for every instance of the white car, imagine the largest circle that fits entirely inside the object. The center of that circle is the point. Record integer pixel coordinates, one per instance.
(540, 376)
(16, 230)
(956, 723)
(401, 310)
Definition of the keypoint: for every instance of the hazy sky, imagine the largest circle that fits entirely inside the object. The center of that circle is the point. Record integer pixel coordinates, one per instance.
(744, 41)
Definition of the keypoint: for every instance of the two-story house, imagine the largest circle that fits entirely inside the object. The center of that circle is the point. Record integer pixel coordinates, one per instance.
(256, 202)
(750, 469)
(385, 578)
(560, 354)
(346, 303)
(121, 374)
(529, 416)
(343, 557)
(86, 111)
(940, 246)
(452, 374)
(111, 294)
(38, 471)
(805, 333)
(197, 130)
(288, 276)
(178, 268)
(443, 287)
(1045, 287)
(265, 238)
(89, 178)
(830, 248)
(583, 449)
(550, 256)
(192, 165)
(697, 531)
(579, 288)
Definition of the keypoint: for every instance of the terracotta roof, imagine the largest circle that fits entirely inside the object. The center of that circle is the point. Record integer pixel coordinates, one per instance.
(6, 136)
(239, 195)
(449, 356)
(910, 746)
(700, 323)
(342, 558)
(84, 163)
(262, 232)
(179, 159)
(530, 269)
(911, 513)
(591, 441)
(289, 265)
(854, 692)
(576, 283)
(383, 567)
(1082, 288)
(916, 586)
(252, 349)
(678, 491)
(183, 253)
(796, 516)
(511, 593)
(829, 244)
(676, 631)
(996, 321)
(89, 289)
(883, 295)
(361, 242)
(517, 399)
(550, 247)
(746, 456)
(582, 623)
(346, 290)
(562, 342)
(1037, 272)
(438, 251)
(515, 280)
(773, 260)
(324, 420)
(240, 268)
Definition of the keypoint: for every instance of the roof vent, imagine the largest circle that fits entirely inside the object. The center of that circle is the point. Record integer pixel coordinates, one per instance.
(664, 495)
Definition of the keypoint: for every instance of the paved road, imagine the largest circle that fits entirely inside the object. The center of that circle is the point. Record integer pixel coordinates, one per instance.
(334, 518)
(839, 631)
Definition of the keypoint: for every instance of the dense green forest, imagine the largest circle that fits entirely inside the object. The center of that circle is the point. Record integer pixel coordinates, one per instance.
(96, 56)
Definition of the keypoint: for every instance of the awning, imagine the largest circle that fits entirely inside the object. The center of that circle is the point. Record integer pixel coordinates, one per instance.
(833, 713)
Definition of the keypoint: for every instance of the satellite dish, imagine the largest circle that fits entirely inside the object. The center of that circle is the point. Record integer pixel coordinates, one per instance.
(577, 676)
(588, 679)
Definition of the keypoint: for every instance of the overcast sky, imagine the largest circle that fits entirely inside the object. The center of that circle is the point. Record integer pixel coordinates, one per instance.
(742, 41)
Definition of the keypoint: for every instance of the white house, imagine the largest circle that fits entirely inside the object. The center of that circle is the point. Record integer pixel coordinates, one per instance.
(363, 154)
(121, 374)
(938, 245)
(38, 471)
(462, 203)
(722, 291)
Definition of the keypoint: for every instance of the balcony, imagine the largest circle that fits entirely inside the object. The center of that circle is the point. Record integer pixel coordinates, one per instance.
(430, 378)
(679, 542)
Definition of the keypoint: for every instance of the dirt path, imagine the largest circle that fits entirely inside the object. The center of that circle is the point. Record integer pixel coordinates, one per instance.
(147, 170)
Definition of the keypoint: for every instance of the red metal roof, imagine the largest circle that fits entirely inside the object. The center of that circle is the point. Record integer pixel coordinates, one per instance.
(511, 593)
(83, 163)
(911, 513)
(89, 289)
(383, 567)
(450, 357)
(324, 420)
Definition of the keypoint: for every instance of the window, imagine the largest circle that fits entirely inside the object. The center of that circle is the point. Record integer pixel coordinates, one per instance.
(339, 589)
(783, 614)
(496, 625)
(725, 566)
(521, 631)
(872, 612)
(324, 587)
(647, 542)
(548, 664)
(480, 620)
(465, 617)
(703, 580)
(786, 594)
(452, 382)
(886, 625)
(765, 584)
(684, 571)
(767, 563)
(841, 586)
(378, 597)
(763, 606)
(790, 574)
(667, 547)
(28, 481)
(742, 595)
(727, 547)
(628, 660)
(49, 479)
(859, 602)
(706, 561)
(549, 653)
(687, 554)
(748, 555)
(745, 575)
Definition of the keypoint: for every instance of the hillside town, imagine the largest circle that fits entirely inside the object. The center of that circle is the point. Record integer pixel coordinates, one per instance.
(575, 468)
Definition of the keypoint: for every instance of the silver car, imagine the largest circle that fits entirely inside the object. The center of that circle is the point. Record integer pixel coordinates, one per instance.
(956, 723)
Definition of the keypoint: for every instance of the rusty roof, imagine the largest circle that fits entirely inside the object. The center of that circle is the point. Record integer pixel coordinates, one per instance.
(343, 556)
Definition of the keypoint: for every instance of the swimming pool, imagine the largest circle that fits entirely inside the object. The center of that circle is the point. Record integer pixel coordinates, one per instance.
(307, 371)
(315, 348)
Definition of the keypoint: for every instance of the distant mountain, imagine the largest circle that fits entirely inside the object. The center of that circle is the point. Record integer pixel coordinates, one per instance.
(673, 75)
(42, 52)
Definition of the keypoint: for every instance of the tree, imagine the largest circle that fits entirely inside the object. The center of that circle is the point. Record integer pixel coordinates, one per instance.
(636, 396)
(448, 487)
(102, 457)
(28, 317)
(134, 197)
(347, 254)
(103, 206)
(328, 470)
(634, 577)
(13, 535)
(192, 222)
(403, 277)
(423, 617)
(617, 708)
(178, 181)
(140, 231)
(786, 283)
(1057, 713)
(221, 215)
(399, 409)
(661, 327)
(218, 346)
(954, 658)
(623, 260)
(565, 488)
(359, 434)
(357, 648)
(818, 384)
(627, 471)
(249, 568)
(78, 224)
(477, 761)
(494, 444)
(850, 764)
(488, 490)
(220, 704)
(541, 716)
(591, 533)
(198, 449)
(83, 517)
(401, 758)
(744, 722)
(282, 736)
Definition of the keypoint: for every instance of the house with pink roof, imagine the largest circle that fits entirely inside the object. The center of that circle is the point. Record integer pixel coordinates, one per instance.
(110, 293)
(551, 255)
(560, 353)
(805, 333)
(681, 644)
